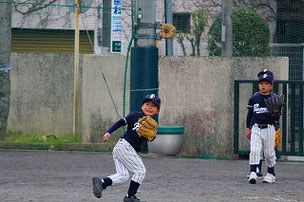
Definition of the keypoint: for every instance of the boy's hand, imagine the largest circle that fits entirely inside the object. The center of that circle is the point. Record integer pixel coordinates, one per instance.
(248, 133)
(106, 137)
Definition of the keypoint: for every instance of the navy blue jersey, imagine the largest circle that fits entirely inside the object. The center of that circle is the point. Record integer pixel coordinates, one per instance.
(130, 135)
(258, 112)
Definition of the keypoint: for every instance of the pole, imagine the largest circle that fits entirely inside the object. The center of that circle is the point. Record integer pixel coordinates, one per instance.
(169, 20)
(144, 57)
(226, 36)
(5, 50)
(76, 67)
(146, 15)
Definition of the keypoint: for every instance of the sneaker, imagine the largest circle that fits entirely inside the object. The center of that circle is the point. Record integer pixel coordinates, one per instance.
(97, 187)
(253, 178)
(258, 174)
(132, 199)
(269, 178)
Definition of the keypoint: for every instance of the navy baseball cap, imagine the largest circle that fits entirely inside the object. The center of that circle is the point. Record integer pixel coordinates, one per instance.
(154, 98)
(265, 75)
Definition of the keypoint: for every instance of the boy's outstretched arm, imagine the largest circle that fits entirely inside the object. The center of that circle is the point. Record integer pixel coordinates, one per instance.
(113, 128)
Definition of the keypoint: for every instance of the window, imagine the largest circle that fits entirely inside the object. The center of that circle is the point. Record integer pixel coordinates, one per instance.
(50, 41)
(181, 21)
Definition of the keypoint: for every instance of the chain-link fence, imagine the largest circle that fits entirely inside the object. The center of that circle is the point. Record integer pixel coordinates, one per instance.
(291, 121)
(107, 27)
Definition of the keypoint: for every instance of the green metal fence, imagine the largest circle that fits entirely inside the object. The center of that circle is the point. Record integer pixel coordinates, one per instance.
(291, 120)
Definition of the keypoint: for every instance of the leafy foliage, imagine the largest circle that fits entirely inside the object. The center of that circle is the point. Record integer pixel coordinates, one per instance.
(251, 34)
(199, 20)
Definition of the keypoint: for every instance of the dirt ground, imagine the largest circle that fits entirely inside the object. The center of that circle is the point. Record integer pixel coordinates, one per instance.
(66, 176)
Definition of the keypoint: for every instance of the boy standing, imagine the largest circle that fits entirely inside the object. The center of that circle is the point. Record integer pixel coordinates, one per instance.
(260, 128)
(125, 151)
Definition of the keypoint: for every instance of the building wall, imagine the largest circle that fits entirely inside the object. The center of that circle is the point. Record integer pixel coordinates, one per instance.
(61, 17)
(196, 93)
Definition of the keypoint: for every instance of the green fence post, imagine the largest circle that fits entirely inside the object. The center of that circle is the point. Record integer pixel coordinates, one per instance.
(284, 120)
(301, 119)
(236, 117)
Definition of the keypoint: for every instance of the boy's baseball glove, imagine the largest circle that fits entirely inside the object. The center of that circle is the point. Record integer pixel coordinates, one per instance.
(277, 139)
(148, 127)
(274, 104)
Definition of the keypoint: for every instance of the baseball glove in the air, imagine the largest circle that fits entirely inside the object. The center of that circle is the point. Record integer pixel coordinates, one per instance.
(148, 128)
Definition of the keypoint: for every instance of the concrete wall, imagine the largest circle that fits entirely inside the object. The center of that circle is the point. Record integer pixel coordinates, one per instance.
(41, 93)
(98, 109)
(196, 93)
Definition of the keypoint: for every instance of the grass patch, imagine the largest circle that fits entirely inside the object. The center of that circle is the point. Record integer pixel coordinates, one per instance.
(41, 138)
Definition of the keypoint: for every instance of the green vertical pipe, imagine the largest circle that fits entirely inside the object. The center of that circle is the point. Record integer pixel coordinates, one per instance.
(301, 119)
(236, 117)
(284, 120)
(133, 34)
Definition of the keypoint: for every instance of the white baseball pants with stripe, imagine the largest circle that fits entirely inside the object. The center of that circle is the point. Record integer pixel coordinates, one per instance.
(127, 162)
(262, 140)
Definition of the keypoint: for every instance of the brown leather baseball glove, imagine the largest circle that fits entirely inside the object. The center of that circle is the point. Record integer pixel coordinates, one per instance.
(277, 139)
(148, 128)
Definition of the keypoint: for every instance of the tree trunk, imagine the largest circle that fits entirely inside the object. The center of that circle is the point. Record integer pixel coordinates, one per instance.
(183, 48)
(197, 43)
(5, 49)
(192, 46)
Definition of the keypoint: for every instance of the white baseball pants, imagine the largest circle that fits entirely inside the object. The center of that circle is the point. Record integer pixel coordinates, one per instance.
(262, 140)
(127, 161)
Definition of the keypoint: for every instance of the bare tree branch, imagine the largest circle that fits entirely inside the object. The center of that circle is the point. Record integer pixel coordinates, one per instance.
(30, 6)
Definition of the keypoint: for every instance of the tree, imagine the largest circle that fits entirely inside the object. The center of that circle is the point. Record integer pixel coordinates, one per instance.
(267, 8)
(251, 34)
(180, 39)
(199, 20)
(5, 44)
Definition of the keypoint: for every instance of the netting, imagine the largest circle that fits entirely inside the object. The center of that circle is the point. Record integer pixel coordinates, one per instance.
(43, 40)
(291, 121)
(49, 26)
(45, 32)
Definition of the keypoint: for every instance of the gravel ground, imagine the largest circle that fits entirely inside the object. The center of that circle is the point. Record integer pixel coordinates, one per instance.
(66, 176)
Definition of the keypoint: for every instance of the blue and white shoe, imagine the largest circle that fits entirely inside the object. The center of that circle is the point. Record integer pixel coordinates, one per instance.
(269, 178)
(258, 173)
(253, 178)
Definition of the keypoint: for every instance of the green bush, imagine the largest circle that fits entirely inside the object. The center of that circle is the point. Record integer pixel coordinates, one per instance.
(250, 34)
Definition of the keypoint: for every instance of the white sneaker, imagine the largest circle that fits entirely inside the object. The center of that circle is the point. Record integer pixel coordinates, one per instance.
(253, 178)
(269, 178)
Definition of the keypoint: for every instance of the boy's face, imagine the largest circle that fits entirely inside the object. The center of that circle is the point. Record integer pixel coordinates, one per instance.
(265, 87)
(149, 108)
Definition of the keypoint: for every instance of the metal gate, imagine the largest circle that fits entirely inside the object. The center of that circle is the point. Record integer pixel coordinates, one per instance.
(291, 120)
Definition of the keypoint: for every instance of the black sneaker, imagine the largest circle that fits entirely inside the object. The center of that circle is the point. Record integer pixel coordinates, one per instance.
(97, 187)
(132, 199)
